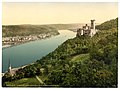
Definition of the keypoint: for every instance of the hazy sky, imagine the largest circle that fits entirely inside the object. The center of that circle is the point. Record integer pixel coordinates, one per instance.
(45, 13)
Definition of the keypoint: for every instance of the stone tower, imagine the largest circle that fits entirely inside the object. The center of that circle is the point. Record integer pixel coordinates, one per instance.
(93, 24)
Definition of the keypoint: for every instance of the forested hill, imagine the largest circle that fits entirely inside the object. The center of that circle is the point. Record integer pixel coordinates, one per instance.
(108, 24)
(26, 30)
(78, 62)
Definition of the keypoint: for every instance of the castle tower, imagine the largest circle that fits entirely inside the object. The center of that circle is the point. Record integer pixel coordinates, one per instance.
(93, 24)
(9, 68)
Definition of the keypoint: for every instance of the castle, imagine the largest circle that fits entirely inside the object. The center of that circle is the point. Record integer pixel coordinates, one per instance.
(87, 30)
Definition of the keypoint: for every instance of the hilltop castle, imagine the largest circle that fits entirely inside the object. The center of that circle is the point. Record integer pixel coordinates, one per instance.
(87, 30)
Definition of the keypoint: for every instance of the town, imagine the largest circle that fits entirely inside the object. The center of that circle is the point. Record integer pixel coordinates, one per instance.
(11, 41)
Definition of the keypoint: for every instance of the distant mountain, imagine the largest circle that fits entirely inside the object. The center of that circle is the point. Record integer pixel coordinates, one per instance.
(25, 30)
(66, 26)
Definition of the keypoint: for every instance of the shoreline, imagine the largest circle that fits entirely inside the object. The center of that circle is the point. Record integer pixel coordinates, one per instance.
(8, 46)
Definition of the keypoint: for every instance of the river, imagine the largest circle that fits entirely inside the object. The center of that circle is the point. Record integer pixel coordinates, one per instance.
(30, 52)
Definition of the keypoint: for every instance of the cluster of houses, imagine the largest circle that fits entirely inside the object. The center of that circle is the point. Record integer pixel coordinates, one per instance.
(20, 39)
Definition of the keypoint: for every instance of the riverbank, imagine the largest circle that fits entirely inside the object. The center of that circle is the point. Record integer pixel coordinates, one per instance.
(27, 41)
(6, 46)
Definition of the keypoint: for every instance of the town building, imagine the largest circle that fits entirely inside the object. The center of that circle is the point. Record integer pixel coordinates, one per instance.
(87, 30)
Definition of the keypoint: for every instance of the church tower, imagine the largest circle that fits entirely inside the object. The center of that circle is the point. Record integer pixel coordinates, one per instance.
(9, 67)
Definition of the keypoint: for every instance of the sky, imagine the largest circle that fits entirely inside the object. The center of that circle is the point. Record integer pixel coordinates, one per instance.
(14, 13)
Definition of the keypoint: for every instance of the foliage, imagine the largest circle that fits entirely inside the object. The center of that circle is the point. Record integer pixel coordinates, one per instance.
(106, 49)
(90, 74)
(108, 25)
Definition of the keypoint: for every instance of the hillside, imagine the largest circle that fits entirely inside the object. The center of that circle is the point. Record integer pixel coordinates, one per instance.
(26, 30)
(108, 24)
(79, 62)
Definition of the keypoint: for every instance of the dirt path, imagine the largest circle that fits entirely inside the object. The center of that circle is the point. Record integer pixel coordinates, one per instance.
(39, 79)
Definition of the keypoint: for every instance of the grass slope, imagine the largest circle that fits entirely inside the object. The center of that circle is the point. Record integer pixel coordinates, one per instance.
(24, 82)
(80, 58)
